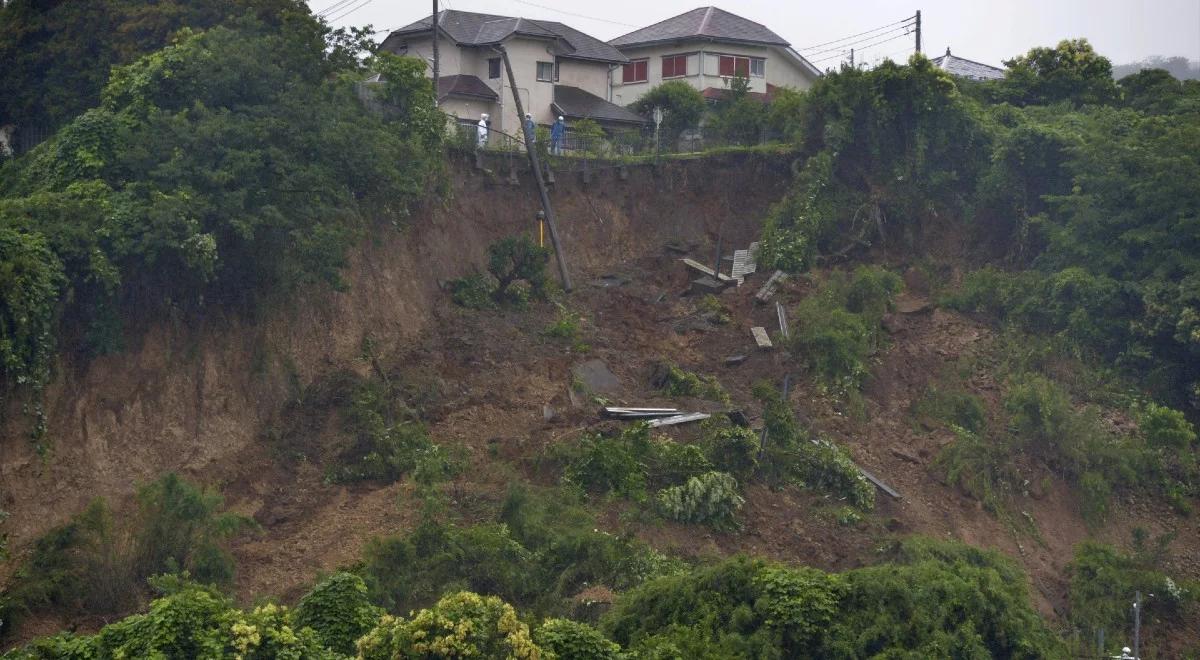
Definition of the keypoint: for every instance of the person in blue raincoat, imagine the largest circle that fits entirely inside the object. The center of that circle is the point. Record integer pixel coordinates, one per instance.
(531, 127)
(557, 133)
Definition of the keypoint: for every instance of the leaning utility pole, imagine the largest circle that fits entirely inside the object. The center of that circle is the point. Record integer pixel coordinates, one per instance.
(851, 58)
(918, 30)
(435, 52)
(537, 172)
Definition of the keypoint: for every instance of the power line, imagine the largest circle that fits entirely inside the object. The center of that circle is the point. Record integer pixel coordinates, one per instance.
(844, 46)
(860, 49)
(353, 9)
(568, 13)
(334, 7)
(910, 18)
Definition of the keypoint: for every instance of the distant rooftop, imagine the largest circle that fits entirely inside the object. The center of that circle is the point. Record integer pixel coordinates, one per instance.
(469, 28)
(969, 69)
(709, 23)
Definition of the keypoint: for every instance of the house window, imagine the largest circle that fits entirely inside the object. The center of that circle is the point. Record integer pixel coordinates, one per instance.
(674, 66)
(493, 68)
(732, 66)
(758, 67)
(545, 71)
(634, 72)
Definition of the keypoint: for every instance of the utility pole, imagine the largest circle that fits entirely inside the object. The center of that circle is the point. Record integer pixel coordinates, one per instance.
(851, 58)
(918, 30)
(537, 173)
(436, 62)
(1137, 626)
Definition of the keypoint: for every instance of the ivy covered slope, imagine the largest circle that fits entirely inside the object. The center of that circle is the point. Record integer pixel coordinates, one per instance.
(233, 164)
(1080, 189)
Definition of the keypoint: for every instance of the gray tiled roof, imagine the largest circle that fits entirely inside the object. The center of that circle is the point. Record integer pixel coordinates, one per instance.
(702, 23)
(469, 28)
(969, 69)
(577, 104)
(461, 85)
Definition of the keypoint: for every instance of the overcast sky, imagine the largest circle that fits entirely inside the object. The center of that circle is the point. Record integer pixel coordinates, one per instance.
(1123, 30)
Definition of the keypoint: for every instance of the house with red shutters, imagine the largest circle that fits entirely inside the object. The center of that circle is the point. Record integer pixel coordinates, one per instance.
(706, 48)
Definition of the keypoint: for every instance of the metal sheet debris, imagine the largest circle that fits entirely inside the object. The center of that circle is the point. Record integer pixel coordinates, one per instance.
(744, 262)
(696, 265)
(638, 413)
(760, 337)
(879, 484)
(678, 419)
(783, 320)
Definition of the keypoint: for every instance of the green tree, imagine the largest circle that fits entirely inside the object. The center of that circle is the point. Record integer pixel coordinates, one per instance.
(460, 625)
(339, 611)
(1071, 72)
(682, 107)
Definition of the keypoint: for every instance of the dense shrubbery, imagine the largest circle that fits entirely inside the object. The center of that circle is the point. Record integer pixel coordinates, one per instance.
(937, 599)
(516, 272)
(838, 326)
(682, 107)
(1104, 582)
(99, 562)
(234, 163)
(538, 552)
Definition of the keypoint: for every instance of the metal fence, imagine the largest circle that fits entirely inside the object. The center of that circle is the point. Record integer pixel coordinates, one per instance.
(615, 146)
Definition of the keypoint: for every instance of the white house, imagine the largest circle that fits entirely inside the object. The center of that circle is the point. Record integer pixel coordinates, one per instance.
(558, 69)
(705, 48)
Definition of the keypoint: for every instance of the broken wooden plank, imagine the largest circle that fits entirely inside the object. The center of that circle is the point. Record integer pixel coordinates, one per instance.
(760, 337)
(638, 413)
(879, 484)
(696, 265)
(734, 360)
(783, 320)
(678, 419)
(768, 289)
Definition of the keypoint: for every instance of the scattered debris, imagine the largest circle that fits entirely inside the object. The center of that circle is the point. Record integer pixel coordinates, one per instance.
(744, 262)
(761, 338)
(768, 289)
(908, 305)
(678, 419)
(734, 360)
(879, 484)
(707, 284)
(697, 266)
(638, 413)
(783, 320)
(607, 281)
(549, 414)
(596, 378)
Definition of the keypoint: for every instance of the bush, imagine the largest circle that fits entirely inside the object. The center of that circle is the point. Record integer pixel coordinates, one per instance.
(571, 640)
(98, 563)
(731, 448)
(460, 625)
(338, 611)
(626, 463)
(793, 457)
(709, 499)
(837, 327)
(473, 292)
(1103, 584)
(516, 271)
(1165, 428)
(958, 408)
(678, 382)
(682, 106)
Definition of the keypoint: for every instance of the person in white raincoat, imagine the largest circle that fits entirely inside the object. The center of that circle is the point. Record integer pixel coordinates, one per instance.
(482, 132)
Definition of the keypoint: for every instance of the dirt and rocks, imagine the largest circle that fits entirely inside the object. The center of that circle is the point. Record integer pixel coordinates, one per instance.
(203, 399)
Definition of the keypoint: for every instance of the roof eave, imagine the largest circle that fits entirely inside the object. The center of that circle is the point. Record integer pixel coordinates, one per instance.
(697, 37)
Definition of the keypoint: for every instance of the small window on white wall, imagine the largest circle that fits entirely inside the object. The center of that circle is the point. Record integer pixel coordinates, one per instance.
(758, 67)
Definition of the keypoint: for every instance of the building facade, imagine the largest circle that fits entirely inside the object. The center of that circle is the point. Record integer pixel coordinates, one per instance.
(706, 48)
(558, 70)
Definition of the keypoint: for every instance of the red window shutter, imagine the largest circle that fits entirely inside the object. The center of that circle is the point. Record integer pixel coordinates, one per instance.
(627, 73)
(668, 69)
(642, 70)
(726, 66)
(681, 65)
(743, 66)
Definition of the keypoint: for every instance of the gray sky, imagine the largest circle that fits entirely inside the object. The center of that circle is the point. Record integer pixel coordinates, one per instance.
(1122, 30)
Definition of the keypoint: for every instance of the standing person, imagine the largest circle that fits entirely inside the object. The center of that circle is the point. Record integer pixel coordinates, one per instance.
(481, 133)
(531, 127)
(557, 132)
